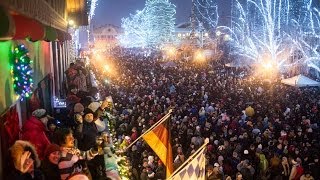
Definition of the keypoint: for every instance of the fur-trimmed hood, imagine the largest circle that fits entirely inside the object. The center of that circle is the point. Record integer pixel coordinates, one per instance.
(17, 150)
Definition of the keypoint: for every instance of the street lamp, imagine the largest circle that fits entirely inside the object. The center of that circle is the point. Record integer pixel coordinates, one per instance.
(201, 33)
(199, 56)
(71, 22)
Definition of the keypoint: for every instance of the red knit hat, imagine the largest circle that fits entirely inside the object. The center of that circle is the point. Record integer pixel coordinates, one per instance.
(50, 149)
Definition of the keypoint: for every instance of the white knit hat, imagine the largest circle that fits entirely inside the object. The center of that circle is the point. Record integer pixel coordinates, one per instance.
(39, 113)
(94, 106)
(245, 152)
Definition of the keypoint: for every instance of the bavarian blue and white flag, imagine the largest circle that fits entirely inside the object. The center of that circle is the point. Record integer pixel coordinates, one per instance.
(195, 169)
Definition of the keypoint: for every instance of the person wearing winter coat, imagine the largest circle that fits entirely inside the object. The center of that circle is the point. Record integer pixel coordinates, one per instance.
(34, 130)
(49, 166)
(246, 169)
(86, 132)
(306, 176)
(72, 159)
(160, 171)
(87, 138)
(213, 173)
(296, 170)
(314, 167)
(263, 163)
(285, 168)
(24, 162)
(110, 158)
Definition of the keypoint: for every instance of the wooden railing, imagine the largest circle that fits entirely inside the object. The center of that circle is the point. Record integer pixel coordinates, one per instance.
(48, 12)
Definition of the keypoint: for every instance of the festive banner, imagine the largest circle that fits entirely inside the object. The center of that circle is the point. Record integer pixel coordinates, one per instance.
(9, 130)
(194, 169)
(159, 140)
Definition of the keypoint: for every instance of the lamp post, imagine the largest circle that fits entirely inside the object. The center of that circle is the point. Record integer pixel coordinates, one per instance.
(201, 34)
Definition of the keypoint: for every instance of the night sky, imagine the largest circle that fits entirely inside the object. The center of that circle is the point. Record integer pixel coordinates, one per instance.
(111, 11)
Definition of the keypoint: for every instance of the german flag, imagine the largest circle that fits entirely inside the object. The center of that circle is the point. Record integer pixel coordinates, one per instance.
(158, 139)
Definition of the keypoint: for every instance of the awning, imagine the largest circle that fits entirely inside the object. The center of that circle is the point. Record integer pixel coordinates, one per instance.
(51, 34)
(22, 27)
(63, 36)
(28, 28)
(68, 37)
(7, 25)
(300, 81)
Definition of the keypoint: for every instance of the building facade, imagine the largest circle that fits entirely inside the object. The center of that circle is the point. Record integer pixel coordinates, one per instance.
(38, 28)
(106, 37)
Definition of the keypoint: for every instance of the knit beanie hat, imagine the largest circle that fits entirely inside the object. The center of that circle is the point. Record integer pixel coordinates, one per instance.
(39, 113)
(78, 108)
(87, 111)
(94, 106)
(50, 149)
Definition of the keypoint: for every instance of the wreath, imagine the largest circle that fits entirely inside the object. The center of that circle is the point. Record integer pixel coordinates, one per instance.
(21, 71)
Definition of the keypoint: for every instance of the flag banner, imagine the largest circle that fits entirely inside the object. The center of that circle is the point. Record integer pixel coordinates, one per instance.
(159, 140)
(195, 169)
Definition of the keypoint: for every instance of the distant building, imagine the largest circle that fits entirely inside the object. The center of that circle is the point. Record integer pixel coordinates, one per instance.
(105, 37)
(183, 33)
(183, 30)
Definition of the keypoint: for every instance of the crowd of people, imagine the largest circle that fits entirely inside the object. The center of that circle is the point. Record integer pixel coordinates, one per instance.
(72, 145)
(257, 129)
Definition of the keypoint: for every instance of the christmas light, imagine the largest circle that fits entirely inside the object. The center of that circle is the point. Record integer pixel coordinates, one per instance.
(94, 3)
(275, 31)
(207, 13)
(151, 27)
(21, 72)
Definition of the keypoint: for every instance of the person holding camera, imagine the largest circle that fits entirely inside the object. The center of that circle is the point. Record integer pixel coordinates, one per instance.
(87, 136)
(110, 157)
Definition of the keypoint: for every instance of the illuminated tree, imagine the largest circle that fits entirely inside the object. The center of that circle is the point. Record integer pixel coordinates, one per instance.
(275, 31)
(21, 72)
(136, 31)
(161, 18)
(206, 12)
(150, 27)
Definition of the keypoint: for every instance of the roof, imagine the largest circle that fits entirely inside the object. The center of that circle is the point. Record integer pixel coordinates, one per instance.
(300, 81)
(184, 25)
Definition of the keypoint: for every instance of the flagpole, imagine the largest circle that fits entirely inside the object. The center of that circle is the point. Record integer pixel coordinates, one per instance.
(206, 141)
(151, 128)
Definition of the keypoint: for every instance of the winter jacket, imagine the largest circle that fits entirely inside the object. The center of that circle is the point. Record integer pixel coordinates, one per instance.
(86, 135)
(16, 151)
(110, 159)
(50, 170)
(17, 175)
(34, 131)
(70, 162)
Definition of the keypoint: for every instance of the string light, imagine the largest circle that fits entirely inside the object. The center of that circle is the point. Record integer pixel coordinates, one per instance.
(94, 4)
(21, 72)
(150, 27)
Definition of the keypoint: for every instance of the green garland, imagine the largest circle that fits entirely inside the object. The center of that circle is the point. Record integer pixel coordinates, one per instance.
(123, 163)
(21, 72)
